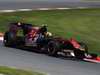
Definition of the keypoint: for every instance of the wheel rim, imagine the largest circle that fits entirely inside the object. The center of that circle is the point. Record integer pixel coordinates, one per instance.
(51, 49)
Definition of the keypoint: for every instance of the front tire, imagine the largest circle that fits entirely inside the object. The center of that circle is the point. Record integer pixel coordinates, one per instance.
(80, 54)
(53, 48)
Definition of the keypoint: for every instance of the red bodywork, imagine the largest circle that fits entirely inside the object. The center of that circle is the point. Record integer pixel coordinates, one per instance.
(74, 43)
(66, 42)
(33, 32)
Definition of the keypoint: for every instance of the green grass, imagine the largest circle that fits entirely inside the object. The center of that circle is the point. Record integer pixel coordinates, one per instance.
(11, 71)
(82, 24)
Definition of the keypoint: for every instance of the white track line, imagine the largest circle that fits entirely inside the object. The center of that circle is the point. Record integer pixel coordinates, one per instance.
(62, 8)
(44, 9)
(17, 10)
(24, 9)
(7, 10)
(82, 7)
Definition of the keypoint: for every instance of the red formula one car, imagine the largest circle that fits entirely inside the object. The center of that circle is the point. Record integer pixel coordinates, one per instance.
(40, 39)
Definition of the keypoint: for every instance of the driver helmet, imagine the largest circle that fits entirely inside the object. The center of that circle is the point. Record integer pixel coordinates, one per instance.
(19, 23)
(43, 28)
(49, 34)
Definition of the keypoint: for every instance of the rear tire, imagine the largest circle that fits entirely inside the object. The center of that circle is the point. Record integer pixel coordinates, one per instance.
(8, 39)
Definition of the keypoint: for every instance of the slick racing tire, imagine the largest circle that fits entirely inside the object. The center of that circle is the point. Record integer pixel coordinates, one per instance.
(53, 48)
(79, 54)
(8, 39)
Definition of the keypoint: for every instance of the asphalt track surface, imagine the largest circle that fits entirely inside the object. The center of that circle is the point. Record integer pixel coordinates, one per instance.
(47, 4)
(43, 63)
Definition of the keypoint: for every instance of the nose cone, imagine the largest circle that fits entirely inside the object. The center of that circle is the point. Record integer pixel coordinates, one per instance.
(98, 58)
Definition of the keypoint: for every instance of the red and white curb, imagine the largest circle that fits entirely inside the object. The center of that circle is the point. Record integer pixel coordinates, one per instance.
(97, 60)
